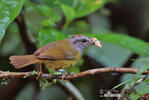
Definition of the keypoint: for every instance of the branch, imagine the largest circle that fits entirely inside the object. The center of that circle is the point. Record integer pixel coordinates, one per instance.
(68, 77)
(61, 23)
(29, 45)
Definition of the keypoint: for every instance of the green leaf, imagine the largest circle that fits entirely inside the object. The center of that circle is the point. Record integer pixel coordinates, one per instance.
(69, 13)
(9, 9)
(140, 90)
(135, 45)
(74, 69)
(47, 35)
(134, 96)
(88, 6)
(50, 70)
(81, 8)
(45, 10)
(142, 64)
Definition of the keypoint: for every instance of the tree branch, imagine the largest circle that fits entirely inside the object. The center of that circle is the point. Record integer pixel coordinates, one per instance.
(68, 77)
(29, 45)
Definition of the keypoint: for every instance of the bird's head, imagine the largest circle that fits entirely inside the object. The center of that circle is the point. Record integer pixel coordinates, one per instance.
(81, 42)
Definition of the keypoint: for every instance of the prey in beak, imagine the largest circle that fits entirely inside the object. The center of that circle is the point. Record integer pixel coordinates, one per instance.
(96, 42)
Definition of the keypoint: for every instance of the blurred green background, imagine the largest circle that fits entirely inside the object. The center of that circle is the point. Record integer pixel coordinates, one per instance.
(122, 26)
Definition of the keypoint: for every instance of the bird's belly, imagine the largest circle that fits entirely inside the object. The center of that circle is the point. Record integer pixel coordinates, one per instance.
(59, 64)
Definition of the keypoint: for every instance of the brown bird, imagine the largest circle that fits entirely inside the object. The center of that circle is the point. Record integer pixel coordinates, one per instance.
(57, 55)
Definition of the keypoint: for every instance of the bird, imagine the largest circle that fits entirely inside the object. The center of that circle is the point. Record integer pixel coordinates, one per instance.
(61, 54)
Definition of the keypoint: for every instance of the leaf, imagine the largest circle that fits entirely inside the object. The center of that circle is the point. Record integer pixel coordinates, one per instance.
(69, 13)
(45, 10)
(88, 6)
(140, 90)
(47, 35)
(82, 8)
(9, 9)
(74, 69)
(134, 96)
(142, 64)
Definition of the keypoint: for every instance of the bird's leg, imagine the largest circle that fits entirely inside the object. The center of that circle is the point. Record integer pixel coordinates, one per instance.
(40, 68)
(40, 72)
(64, 73)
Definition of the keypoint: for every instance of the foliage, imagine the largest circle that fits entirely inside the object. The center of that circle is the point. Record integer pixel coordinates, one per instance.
(78, 11)
(9, 9)
(46, 35)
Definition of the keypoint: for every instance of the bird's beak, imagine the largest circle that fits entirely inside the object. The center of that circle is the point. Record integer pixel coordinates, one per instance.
(96, 42)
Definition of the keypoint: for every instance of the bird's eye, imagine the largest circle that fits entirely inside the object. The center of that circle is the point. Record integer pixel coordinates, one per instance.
(84, 41)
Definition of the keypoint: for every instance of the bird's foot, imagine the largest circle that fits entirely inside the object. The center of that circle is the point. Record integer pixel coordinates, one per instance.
(39, 74)
(64, 74)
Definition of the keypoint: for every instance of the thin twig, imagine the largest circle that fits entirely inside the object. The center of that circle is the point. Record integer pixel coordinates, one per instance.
(140, 80)
(68, 77)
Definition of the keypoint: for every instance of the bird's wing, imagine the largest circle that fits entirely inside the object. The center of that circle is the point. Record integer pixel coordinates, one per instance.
(62, 49)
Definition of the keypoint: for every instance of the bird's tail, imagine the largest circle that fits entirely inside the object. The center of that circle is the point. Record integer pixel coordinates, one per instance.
(23, 61)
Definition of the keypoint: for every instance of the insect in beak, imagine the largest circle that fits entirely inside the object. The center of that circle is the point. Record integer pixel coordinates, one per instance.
(96, 42)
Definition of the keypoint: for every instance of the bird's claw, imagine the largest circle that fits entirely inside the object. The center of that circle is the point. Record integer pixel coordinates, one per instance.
(39, 74)
(63, 75)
